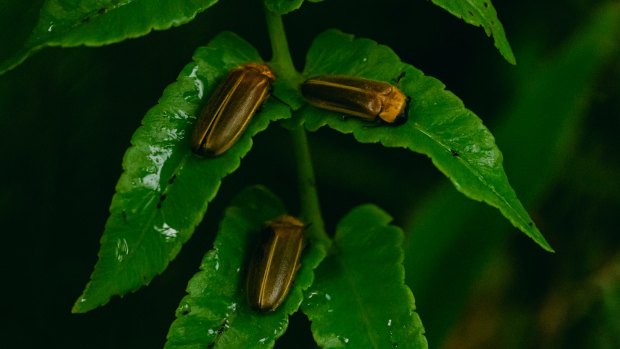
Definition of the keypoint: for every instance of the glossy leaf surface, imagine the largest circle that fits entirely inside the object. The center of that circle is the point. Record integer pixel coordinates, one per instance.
(216, 313)
(359, 298)
(87, 22)
(164, 190)
(439, 125)
(481, 13)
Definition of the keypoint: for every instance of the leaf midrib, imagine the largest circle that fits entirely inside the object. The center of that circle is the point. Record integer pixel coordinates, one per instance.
(482, 15)
(151, 217)
(470, 168)
(359, 299)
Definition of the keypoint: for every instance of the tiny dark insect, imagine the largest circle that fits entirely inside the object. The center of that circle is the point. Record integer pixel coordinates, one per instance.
(368, 99)
(231, 107)
(274, 264)
(454, 153)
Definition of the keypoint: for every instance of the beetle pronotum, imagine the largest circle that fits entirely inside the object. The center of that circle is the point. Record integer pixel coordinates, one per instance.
(355, 96)
(230, 109)
(275, 263)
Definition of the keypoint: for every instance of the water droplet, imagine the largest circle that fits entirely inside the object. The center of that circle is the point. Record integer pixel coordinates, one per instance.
(171, 134)
(122, 249)
(184, 309)
(342, 339)
(151, 181)
(168, 232)
(157, 156)
(197, 82)
(262, 340)
(191, 97)
(391, 333)
(365, 59)
(328, 297)
(282, 324)
(178, 115)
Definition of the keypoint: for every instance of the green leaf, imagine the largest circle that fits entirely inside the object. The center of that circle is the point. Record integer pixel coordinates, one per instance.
(164, 191)
(283, 6)
(438, 125)
(537, 135)
(87, 22)
(480, 13)
(359, 298)
(215, 312)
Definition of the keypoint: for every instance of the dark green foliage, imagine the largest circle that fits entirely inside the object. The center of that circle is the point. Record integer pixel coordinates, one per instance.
(359, 298)
(439, 125)
(66, 117)
(539, 131)
(216, 311)
(165, 189)
(481, 13)
(94, 23)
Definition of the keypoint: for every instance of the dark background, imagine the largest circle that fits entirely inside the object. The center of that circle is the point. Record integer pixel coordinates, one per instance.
(66, 117)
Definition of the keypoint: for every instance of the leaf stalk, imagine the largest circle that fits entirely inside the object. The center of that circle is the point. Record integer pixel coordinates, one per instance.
(281, 57)
(309, 199)
(310, 208)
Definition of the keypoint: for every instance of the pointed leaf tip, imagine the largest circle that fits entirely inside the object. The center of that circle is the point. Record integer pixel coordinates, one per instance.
(439, 125)
(481, 13)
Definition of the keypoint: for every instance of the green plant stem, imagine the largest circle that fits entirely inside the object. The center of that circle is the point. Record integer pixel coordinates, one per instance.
(310, 209)
(283, 64)
(281, 57)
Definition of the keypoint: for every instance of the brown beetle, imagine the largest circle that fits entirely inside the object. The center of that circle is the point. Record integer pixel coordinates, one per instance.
(229, 110)
(275, 262)
(355, 96)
